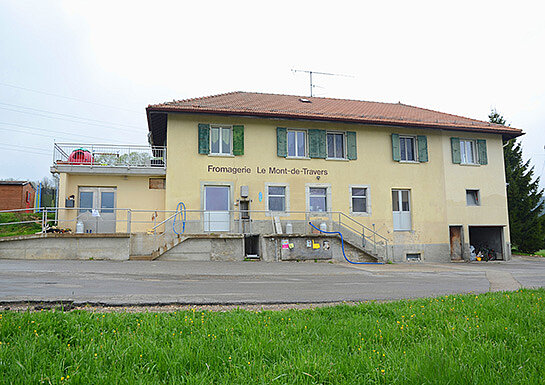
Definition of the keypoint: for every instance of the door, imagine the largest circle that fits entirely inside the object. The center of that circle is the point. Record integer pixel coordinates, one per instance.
(401, 207)
(97, 209)
(216, 208)
(455, 242)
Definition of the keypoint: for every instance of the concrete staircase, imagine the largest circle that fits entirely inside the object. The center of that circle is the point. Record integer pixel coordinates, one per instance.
(161, 250)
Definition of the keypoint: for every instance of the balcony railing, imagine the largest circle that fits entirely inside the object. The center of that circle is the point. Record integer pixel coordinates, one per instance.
(97, 155)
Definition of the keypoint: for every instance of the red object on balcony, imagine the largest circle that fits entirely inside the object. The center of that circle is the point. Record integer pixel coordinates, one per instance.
(80, 156)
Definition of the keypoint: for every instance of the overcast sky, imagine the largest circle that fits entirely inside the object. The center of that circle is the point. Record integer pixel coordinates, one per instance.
(84, 71)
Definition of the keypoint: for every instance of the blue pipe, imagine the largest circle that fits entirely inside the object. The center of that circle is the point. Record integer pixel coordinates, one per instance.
(182, 215)
(342, 246)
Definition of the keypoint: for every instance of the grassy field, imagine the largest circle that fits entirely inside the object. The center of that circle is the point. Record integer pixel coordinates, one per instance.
(463, 339)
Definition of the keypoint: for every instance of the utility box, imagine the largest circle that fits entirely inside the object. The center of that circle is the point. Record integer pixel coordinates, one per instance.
(244, 191)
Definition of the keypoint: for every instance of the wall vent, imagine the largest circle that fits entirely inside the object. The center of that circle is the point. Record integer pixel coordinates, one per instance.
(413, 257)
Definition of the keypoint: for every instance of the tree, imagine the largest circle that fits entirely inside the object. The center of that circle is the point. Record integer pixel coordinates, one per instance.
(524, 197)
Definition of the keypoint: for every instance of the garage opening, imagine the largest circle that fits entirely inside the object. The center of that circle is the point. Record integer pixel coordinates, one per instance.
(487, 242)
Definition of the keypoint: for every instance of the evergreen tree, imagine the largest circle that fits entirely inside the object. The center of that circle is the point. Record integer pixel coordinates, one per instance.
(524, 197)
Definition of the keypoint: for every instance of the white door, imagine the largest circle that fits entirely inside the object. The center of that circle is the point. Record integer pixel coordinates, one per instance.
(401, 206)
(216, 208)
(97, 206)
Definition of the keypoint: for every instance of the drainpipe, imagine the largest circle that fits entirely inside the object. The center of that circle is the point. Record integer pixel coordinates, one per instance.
(57, 185)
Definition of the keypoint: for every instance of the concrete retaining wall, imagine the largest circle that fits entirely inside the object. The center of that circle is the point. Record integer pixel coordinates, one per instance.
(207, 248)
(66, 246)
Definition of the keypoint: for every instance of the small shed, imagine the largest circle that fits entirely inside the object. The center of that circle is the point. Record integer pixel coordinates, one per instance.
(16, 194)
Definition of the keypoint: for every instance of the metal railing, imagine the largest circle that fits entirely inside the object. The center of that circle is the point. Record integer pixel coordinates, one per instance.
(165, 225)
(97, 155)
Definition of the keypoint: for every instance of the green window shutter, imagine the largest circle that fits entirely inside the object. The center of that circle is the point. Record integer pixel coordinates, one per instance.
(456, 155)
(396, 152)
(351, 147)
(238, 140)
(422, 148)
(317, 143)
(281, 142)
(204, 138)
(481, 145)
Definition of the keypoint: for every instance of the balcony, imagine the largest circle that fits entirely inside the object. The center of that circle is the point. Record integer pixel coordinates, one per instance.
(77, 158)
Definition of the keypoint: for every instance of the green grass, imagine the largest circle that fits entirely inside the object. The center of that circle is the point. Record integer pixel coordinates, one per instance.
(541, 253)
(464, 339)
(23, 228)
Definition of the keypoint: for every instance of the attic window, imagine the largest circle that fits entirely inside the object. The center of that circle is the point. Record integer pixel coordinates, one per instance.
(303, 100)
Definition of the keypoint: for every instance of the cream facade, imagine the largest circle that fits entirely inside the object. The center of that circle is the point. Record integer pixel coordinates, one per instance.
(437, 188)
(431, 192)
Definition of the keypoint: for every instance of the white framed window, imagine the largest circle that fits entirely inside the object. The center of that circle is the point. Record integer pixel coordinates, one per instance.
(359, 200)
(473, 198)
(407, 147)
(277, 197)
(401, 208)
(318, 197)
(221, 140)
(336, 145)
(297, 143)
(468, 151)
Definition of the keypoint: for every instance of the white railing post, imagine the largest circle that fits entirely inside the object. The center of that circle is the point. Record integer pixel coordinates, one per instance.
(129, 218)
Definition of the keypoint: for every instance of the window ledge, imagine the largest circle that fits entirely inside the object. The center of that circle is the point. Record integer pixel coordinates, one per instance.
(277, 213)
(222, 155)
(470, 164)
(409, 161)
(360, 214)
(298, 157)
(338, 159)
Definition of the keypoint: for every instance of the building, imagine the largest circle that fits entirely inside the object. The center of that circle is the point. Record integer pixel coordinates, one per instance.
(411, 183)
(16, 194)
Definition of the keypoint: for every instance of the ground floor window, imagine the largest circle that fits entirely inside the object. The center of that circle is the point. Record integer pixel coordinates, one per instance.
(317, 199)
(358, 195)
(276, 198)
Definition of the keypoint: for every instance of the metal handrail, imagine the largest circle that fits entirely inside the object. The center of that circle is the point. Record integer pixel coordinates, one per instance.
(363, 226)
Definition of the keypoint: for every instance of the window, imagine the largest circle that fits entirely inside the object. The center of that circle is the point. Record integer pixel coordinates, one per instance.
(276, 198)
(27, 197)
(467, 151)
(472, 198)
(407, 148)
(359, 199)
(220, 140)
(318, 199)
(297, 143)
(85, 201)
(157, 183)
(335, 146)
(413, 257)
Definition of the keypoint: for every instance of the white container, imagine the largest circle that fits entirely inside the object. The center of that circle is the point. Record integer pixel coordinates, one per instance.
(289, 228)
(323, 226)
(79, 228)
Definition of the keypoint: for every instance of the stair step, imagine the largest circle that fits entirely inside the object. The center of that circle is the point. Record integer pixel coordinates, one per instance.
(148, 257)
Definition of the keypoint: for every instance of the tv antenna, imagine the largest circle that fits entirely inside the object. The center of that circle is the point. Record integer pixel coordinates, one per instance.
(319, 73)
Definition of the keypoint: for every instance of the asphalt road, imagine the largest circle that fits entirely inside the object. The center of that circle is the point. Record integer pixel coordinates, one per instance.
(201, 283)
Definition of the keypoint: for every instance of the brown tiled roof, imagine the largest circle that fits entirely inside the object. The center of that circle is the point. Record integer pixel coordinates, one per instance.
(328, 109)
